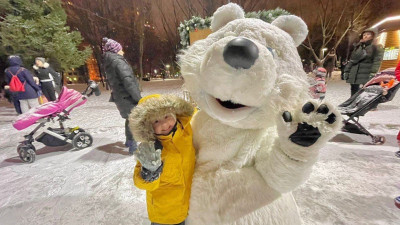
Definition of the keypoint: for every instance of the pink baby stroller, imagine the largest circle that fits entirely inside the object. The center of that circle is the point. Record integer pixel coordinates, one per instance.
(367, 98)
(52, 112)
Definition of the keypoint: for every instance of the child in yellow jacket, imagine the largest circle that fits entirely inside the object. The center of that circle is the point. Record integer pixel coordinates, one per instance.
(166, 156)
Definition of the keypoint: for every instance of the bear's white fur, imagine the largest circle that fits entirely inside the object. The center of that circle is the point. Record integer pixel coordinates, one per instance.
(246, 164)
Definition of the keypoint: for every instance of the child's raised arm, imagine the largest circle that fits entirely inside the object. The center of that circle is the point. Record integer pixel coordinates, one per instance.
(149, 166)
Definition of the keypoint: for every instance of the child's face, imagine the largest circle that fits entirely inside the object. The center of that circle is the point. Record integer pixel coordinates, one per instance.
(164, 125)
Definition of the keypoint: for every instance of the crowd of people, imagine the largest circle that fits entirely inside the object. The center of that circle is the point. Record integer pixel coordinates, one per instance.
(161, 124)
(363, 64)
(25, 89)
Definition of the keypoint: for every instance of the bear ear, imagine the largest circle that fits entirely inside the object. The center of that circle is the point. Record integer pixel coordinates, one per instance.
(294, 26)
(226, 14)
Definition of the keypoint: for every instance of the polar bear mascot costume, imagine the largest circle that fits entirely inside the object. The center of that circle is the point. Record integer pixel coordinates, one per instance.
(258, 133)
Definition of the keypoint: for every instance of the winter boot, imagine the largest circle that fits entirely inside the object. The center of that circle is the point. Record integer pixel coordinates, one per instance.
(132, 145)
(128, 143)
(397, 154)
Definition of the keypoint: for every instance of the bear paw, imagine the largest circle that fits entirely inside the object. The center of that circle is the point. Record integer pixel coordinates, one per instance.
(313, 122)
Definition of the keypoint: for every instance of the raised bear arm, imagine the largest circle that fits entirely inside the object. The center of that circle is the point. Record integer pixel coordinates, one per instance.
(300, 136)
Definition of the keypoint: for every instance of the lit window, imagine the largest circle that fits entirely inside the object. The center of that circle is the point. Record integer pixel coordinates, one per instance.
(382, 39)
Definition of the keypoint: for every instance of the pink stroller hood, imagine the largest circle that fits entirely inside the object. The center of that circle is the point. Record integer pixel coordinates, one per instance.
(66, 98)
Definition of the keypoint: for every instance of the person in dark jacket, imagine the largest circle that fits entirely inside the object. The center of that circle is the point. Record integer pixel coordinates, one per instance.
(330, 63)
(46, 76)
(343, 63)
(364, 62)
(124, 86)
(29, 98)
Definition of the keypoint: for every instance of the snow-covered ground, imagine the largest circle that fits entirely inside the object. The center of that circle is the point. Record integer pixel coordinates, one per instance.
(354, 182)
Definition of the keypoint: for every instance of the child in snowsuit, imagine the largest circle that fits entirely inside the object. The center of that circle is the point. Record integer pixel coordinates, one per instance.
(166, 156)
(318, 90)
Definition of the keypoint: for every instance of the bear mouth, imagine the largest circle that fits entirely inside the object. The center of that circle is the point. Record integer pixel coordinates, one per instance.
(227, 111)
(229, 104)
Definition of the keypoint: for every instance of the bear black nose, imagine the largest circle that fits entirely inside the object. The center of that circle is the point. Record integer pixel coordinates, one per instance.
(240, 53)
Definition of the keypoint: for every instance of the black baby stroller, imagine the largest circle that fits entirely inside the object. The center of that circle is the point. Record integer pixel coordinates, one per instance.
(49, 113)
(382, 88)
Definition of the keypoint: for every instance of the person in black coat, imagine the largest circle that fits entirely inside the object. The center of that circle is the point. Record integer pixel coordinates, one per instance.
(365, 61)
(29, 98)
(343, 63)
(124, 86)
(330, 63)
(48, 78)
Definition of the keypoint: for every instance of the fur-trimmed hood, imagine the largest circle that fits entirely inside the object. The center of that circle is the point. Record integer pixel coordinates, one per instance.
(45, 65)
(151, 108)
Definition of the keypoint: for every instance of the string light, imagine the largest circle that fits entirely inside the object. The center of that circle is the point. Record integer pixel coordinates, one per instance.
(385, 20)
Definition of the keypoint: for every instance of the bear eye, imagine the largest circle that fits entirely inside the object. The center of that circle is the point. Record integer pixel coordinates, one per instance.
(273, 52)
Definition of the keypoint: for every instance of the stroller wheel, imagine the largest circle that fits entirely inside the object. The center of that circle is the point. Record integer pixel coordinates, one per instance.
(378, 140)
(26, 153)
(82, 140)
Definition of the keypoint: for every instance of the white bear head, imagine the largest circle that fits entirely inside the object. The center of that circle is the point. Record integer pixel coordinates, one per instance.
(247, 70)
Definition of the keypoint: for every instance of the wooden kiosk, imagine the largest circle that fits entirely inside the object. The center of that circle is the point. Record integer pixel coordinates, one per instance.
(389, 38)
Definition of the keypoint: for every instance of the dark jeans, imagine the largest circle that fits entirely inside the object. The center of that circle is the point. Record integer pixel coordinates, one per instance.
(48, 90)
(183, 223)
(354, 88)
(13, 97)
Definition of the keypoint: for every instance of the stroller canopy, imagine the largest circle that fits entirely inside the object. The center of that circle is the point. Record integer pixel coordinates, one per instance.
(66, 98)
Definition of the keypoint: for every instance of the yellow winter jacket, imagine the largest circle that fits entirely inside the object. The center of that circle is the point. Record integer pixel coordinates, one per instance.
(168, 196)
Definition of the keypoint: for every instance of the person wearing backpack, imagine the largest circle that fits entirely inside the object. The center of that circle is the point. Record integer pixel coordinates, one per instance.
(21, 84)
(49, 79)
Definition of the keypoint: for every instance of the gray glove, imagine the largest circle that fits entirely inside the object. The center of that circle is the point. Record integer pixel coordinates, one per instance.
(150, 176)
(148, 156)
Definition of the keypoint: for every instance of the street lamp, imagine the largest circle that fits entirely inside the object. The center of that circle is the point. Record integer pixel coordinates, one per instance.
(323, 51)
(167, 69)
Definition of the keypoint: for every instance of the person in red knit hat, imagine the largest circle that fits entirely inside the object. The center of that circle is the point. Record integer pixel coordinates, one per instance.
(397, 72)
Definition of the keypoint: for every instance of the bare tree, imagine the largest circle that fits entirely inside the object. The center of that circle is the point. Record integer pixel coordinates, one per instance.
(334, 20)
(144, 15)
